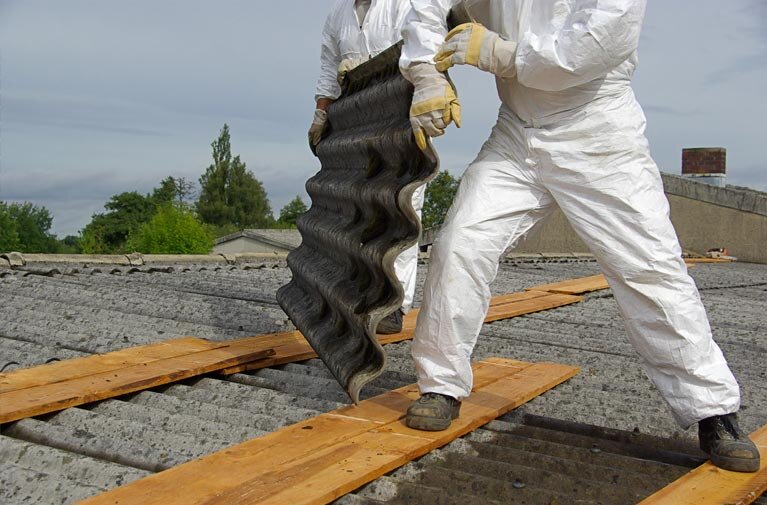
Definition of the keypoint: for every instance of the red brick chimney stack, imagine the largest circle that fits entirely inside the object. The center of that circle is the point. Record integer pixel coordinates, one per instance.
(705, 164)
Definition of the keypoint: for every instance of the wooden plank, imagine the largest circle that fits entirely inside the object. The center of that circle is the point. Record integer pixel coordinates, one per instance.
(88, 365)
(574, 286)
(289, 353)
(46, 398)
(501, 307)
(709, 485)
(318, 460)
(707, 260)
(529, 306)
(117, 373)
(517, 297)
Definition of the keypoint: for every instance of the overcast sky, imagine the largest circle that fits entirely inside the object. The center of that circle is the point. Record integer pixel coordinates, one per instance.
(103, 96)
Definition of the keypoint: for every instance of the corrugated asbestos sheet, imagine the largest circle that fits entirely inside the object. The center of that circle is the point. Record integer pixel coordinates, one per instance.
(555, 449)
(360, 219)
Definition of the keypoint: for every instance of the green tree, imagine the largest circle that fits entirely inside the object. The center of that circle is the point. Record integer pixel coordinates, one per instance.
(172, 230)
(229, 193)
(439, 196)
(165, 193)
(175, 190)
(108, 232)
(290, 212)
(9, 237)
(70, 245)
(25, 227)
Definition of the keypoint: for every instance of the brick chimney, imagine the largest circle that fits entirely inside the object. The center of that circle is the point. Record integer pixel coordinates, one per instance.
(705, 164)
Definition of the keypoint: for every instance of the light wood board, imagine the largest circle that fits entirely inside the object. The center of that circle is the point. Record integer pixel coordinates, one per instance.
(574, 286)
(79, 367)
(296, 348)
(89, 387)
(321, 459)
(709, 485)
(707, 260)
(48, 388)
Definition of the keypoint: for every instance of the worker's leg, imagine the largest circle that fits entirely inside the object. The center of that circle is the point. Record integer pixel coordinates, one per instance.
(610, 189)
(406, 264)
(497, 202)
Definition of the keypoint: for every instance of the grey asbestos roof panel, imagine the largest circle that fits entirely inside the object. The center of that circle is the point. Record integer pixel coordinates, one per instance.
(558, 446)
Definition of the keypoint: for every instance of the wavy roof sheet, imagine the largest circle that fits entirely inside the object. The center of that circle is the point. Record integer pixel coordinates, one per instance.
(360, 219)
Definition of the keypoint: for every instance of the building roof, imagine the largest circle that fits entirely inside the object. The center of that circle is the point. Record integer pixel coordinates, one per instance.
(287, 239)
(592, 438)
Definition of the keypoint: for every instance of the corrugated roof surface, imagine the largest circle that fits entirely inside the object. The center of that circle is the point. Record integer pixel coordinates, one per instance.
(549, 449)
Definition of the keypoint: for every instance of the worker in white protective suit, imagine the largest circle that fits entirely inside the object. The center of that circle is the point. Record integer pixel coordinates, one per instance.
(569, 134)
(354, 32)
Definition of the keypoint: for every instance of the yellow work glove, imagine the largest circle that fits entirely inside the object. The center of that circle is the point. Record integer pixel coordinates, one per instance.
(473, 44)
(435, 103)
(347, 66)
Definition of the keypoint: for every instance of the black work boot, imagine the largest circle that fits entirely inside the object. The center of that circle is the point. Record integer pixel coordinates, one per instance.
(391, 323)
(728, 447)
(432, 412)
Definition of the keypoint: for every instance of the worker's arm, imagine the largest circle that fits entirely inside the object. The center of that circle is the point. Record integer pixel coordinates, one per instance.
(424, 31)
(401, 12)
(328, 88)
(324, 103)
(596, 37)
(435, 104)
(330, 57)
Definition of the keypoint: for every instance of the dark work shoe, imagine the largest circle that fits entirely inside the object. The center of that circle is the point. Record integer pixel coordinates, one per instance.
(391, 323)
(432, 412)
(729, 448)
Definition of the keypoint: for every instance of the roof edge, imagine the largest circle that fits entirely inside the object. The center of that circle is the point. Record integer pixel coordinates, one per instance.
(16, 259)
(743, 199)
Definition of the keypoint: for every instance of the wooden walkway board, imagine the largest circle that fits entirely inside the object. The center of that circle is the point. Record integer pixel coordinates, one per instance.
(707, 260)
(89, 387)
(545, 301)
(56, 386)
(321, 459)
(574, 286)
(80, 367)
(709, 485)
(295, 348)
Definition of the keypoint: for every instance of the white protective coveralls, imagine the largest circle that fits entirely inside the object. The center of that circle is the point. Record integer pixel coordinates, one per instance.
(343, 39)
(570, 134)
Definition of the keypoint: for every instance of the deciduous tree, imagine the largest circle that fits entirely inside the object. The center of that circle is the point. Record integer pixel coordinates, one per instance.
(172, 230)
(25, 227)
(229, 193)
(439, 196)
(9, 237)
(107, 232)
(290, 212)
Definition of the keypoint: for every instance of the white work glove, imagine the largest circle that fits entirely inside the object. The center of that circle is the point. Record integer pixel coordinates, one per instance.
(347, 66)
(319, 121)
(435, 104)
(473, 44)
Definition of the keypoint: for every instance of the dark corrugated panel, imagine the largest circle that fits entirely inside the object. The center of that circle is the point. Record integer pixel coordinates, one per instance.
(360, 219)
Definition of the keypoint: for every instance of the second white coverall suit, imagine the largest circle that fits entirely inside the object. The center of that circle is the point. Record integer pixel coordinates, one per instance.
(569, 134)
(347, 37)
